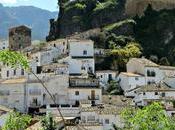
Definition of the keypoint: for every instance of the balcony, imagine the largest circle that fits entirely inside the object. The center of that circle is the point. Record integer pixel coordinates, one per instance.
(93, 97)
(83, 82)
(34, 105)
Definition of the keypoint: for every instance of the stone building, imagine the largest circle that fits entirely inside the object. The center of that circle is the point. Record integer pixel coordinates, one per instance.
(19, 37)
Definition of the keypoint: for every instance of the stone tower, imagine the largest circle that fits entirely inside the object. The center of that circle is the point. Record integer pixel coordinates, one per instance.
(19, 37)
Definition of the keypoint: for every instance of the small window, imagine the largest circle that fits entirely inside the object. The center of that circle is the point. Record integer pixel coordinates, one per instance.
(136, 78)
(148, 73)
(37, 59)
(163, 94)
(106, 121)
(54, 45)
(101, 76)
(14, 72)
(83, 68)
(22, 71)
(76, 92)
(149, 82)
(7, 73)
(85, 52)
(143, 93)
(3, 47)
(156, 93)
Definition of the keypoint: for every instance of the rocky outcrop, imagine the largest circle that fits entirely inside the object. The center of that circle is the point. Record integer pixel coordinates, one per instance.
(137, 7)
(79, 16)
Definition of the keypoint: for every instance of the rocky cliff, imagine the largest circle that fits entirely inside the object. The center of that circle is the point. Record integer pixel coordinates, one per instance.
(137, 7)
(106, 23)
(81, 15)
(78, 16)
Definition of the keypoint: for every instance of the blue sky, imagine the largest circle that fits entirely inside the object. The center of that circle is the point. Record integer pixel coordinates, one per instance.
(44, 4)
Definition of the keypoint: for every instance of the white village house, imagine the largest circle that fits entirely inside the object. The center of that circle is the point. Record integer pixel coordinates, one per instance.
(141, 71)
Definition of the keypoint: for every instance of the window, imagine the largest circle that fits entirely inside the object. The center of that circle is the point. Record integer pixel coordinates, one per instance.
(163, 94)
(85, 52)
(153, 74)
(156, 93)
(91, 118)
(37, 60)
(22, 71)
(3, 47)
(143, 93)
(83, 68)
(149, 82)
(101, 76)
(148, 73)
(106, 121)
(7, 73)
(14, 72)
(76, 92)
(136, 78)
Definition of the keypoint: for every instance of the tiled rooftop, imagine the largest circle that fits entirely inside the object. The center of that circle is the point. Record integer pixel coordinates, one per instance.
(129, 74)
(145, 62)
(155, 88)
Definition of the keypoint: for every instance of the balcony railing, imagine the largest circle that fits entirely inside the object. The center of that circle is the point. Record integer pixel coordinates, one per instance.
(35, 104)
(83, 82)
(93, 97)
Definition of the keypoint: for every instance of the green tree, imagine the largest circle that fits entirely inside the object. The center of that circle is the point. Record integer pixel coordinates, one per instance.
(122, 55)
(48, 123)
(16, 121)
(114, 88)
(152, 117)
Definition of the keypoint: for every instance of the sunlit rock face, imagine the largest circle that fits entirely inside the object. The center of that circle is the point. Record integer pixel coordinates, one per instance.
(137, 7)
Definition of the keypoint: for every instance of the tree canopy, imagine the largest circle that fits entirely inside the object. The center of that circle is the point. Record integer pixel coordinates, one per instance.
(152, 117)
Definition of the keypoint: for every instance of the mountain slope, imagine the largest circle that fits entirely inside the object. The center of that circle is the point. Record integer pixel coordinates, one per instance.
(35, 18)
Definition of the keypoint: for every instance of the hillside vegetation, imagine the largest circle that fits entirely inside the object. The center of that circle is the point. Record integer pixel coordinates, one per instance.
(150, 35)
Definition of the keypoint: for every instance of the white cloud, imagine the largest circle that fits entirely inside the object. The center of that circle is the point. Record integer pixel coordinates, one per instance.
(8, 1)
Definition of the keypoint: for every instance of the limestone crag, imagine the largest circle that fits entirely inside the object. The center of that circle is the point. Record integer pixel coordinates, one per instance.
(137, 7)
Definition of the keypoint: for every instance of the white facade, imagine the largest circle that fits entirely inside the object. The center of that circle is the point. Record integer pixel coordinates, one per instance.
(85, 95)
(130, 81)
(104, 117)
(81, 48)
(61, 45)
(149, 73)
(12, 94)
(22, 94)
(45, 57)
(4, 44)
(81, 66)
(9, 73)
(106, 75)
(147, 94)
